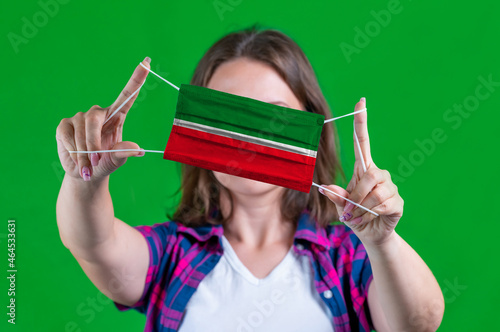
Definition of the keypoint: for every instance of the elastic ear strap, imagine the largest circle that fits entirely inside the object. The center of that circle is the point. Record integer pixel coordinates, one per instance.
(360, 155)
(152, 72)
(135, 92)
(157, 151)
(359, 148)
(355, 135)
(120, 107)
(118, 150)
(343, 116)
(347, 199)
(123, 104)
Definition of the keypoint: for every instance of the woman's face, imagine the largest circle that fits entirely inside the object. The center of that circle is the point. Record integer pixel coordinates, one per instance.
(256, 80)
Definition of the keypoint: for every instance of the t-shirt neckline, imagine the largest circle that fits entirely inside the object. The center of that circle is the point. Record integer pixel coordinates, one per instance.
(240, 268)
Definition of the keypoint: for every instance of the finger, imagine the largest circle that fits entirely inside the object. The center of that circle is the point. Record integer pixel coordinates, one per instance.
(388, 207)
(94, 120)
(375, 198)
(81, 145)
(348, 207)
(361, 131)
(119, 158)
(360, 221)
(367, 183)
(352, 183)
(65, 136)
(137, 79)
(336, 199)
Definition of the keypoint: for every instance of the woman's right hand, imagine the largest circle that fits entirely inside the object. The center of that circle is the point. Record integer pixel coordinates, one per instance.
(86, 131)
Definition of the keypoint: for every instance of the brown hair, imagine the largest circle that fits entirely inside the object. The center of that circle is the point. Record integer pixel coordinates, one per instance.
(201, 190)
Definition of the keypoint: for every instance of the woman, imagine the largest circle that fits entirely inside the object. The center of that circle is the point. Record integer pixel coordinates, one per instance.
(243, 255)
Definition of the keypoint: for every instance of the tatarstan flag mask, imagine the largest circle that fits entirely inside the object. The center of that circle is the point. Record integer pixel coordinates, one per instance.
(241, 136)
(244, 137)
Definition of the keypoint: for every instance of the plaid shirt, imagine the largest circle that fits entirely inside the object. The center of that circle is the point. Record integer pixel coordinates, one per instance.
(180, 257)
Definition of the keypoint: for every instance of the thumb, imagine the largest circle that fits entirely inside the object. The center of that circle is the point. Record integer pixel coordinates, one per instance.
(120, 157)
(338, 201)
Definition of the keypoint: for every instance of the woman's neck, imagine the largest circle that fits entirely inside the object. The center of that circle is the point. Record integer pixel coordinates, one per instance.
(256, 220)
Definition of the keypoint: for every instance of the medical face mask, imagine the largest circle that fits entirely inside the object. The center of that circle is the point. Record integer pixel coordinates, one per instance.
(244, 137)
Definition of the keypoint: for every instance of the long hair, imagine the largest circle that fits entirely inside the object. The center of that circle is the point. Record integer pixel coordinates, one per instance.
(200, 189)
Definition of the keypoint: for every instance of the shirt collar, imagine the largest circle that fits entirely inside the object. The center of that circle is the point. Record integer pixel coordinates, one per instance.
(308, 229)
(205, 232)
(202, 233)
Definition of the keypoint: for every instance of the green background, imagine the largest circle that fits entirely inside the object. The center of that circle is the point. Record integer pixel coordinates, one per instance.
(429, 57)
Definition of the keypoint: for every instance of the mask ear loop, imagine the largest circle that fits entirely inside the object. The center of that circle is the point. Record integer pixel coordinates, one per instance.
(359, 147)
(152, 72)
(177, 88)
(362, 162)
(136, 91)
(120, 107)
(326, 121)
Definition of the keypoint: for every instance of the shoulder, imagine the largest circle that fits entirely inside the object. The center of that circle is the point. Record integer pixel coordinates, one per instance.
(174, 233)
(166, 227)
(167, 230)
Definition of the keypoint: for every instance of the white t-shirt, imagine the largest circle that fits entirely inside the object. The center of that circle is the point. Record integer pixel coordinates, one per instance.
(231, 298)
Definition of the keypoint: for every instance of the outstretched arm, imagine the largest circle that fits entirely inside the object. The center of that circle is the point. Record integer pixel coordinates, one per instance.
(404, 295)
(112, 254)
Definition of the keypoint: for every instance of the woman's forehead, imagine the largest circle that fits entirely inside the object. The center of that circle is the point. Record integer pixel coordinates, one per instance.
(253, 79)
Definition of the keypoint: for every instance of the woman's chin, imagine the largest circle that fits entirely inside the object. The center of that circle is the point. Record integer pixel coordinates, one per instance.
(236, 184)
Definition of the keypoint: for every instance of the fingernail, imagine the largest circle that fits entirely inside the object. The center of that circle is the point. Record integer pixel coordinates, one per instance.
(321, 191)
(363, 99)
(141, 153)
(86, 173)
(94, 159)
(342, 219)
(147, 59)
(356, 221)
(346, 216)
(348, 207)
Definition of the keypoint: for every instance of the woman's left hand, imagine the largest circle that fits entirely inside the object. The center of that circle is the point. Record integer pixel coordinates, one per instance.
(372, 189)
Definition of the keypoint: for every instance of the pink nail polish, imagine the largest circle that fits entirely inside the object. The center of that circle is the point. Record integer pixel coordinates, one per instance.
(347, 216)
(348, 207)
(86, 173)
(94, 159)
(321, 191)
(356, 221)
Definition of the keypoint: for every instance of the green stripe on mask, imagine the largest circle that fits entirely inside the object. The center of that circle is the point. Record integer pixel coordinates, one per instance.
(249, 117)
